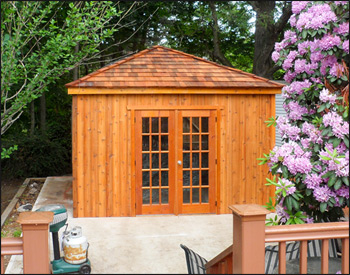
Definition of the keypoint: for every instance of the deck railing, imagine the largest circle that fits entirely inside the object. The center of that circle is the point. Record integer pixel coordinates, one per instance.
(33, 245)
(247, 255)
(221, 264)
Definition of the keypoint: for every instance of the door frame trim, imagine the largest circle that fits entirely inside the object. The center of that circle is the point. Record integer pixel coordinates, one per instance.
(131, 110)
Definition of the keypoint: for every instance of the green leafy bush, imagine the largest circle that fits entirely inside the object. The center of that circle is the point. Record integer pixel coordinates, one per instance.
(37, 156)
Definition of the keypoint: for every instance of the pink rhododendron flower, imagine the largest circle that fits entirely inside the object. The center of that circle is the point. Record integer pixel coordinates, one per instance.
(298, 6)
(339, 126)
(326, 96)
(309, 220)
(313, 181)
(275, 56)
(322, 194)
(297, 164)
(343, 191)
(316, 56)
(312, 132)
(289, 76)
(294, 110)
(329, 41)
(342, 29)
(335, 69)
(299, 66)
(341, 3)
(293, 20)
(279, 46)
(286, 129)
(328, 61)
(287, 64)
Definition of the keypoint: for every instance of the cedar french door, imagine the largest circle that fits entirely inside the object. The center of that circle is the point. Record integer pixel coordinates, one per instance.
(175, 161)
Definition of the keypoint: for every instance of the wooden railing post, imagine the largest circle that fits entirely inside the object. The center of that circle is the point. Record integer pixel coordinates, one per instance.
(35, 227)
(248, 238)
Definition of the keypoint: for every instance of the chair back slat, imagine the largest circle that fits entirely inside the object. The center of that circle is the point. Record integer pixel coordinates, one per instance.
(195, 262)
(272, 255)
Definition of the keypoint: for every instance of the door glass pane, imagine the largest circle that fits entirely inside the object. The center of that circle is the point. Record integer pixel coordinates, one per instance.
(145, 178)
(195, 160)
(195, 125)
(186, 178)
(164, 141)
(204, 124)
(155, 196)
(155, 178)
(186, 195)
(145, 125)
(195, 142)
(165, 195)
(195, 195)
(195, 177)
(186, 125)
(145, 196)
(186, 160)
(204, 142)
(155, 125)
(164, 160)
(155, 143)
(145, 143)
(205, 195)
(145, 161)
(155, 160)
(205, 177)
(204, 160)
(164, 178)
(186, 142)
(164, 125)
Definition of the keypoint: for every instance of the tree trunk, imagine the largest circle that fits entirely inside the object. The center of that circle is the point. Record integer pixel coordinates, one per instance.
(32, 118)
(43, 114)
(216, 41)
(267, 33)
(265, 39)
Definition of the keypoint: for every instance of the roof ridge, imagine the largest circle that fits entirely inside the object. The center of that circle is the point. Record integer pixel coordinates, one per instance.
(110, 66)
(219, 65)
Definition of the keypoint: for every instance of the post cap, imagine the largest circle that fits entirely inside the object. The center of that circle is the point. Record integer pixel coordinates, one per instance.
(248, 210)
(35, 217)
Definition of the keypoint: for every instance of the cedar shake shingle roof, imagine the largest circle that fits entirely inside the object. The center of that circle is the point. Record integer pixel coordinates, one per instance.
(161, 67)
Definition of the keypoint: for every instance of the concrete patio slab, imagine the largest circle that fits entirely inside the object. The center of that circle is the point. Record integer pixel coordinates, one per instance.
(142, 244)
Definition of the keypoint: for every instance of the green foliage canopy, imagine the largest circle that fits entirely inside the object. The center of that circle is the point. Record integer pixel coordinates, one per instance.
(38, 42)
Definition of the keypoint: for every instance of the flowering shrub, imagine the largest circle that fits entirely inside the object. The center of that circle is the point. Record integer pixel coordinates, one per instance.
(311, 168)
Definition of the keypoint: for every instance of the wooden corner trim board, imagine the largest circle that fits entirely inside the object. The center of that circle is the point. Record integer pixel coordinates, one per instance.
(200, 91)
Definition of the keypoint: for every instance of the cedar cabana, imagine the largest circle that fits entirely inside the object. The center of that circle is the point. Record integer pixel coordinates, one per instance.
(165, 132)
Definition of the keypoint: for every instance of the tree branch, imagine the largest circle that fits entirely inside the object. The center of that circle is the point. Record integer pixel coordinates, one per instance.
(283, 20)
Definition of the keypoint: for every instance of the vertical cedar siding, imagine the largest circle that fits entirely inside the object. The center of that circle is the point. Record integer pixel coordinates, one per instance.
(103, 176)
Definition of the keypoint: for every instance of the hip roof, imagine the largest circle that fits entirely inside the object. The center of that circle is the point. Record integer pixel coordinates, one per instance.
(161, 67)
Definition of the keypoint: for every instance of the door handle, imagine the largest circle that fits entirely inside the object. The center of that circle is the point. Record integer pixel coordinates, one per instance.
(179, 162)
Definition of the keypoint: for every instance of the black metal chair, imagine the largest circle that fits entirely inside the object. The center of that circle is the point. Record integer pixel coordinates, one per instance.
(271, 255)
(195, 262)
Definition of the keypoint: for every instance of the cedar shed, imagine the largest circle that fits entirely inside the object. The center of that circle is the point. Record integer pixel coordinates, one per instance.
(165, 132)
